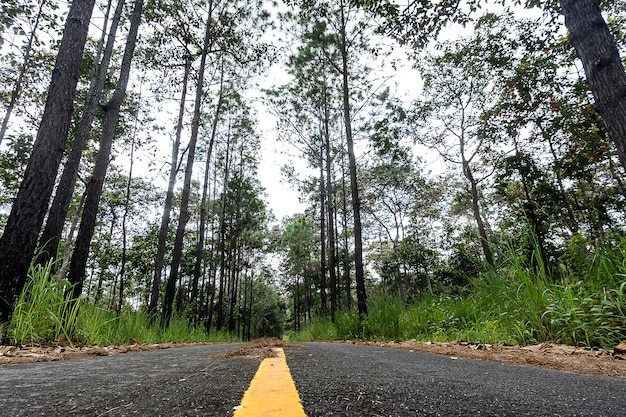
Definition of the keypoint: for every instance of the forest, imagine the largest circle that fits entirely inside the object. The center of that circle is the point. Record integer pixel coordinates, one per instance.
(460, 166)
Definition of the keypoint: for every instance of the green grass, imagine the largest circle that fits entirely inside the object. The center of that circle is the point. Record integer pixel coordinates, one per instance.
(514, 304)
(45, 315)
(43, 312)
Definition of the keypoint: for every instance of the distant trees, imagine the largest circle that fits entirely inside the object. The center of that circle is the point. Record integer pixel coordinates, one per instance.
(323, 94)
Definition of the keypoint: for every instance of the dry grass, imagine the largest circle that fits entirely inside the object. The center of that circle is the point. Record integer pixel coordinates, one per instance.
(547, 355)
(260, 348)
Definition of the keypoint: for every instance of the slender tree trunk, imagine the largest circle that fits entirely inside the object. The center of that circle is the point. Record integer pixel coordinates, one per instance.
(222, 241)
(248, 334)
(322, 196)
(127, 202)
(337, 258)
(213, 263)
(596, 48)
(296, 307)
(356, 202)
(236, 270)
(330, 210)
(60, 274)
(346, 255)
(469, 175)
(78, 263)
(482, 230)
(18, 242)
(17, 88)
(53, 230)
(169, 197)
(203, 202)
(572, 222)
(177, 252)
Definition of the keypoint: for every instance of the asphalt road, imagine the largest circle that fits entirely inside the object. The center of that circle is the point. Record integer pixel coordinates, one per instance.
(333, 380)
(353, 380)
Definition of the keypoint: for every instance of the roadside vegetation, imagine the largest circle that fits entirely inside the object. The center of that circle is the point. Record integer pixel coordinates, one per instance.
(46, 314)
(521, 301)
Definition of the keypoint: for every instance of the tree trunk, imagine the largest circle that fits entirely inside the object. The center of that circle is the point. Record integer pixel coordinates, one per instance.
(213, 264)
(322, 232)
(18, 242)
(356, 202)
(203, 203)
(330, 210)
(221, 242)
(169, 196)
(78, 263)
(177, 251)
(482, 231)
(248, 334)
(51, 235)
(127, 203)
(556, 168)
(234, 285)
(346, 255)
(17, 88)
(596, 48)
(60, 274)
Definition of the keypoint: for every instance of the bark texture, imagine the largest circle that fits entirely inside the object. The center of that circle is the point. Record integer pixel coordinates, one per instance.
(51, 235)
(596, 48)
(17, 245)
(356, 202)
(78, 264)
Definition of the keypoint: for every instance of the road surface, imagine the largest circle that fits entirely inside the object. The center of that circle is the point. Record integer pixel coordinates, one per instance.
(332, 380)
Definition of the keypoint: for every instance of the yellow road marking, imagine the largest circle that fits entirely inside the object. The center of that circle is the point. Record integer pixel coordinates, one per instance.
(272, 391)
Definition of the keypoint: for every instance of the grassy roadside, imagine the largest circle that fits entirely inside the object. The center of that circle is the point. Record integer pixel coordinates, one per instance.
(513, 304)
(44, 315)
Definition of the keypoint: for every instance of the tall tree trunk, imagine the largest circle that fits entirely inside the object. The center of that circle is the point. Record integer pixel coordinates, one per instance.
(169, 197)
(18, 242)
(469, 175)
(482, 230)
(60, 274)
(213, 264)
(556, 168)
(222, 241)
(596, 48)
(127, 202)
(248, 334)
(170, 289)
(78, 263)
(296, 306)
(234, 284)
(51, 235)
(356, 202)
(203, 202)
(346, 255)
(330, 210)
(322, 196)
(17, 87)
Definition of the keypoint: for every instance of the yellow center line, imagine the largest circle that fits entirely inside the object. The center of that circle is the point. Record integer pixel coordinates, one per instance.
(272, 391)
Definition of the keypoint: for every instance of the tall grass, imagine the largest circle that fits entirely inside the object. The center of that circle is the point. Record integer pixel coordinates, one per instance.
(45, 315)
(520, 302)
(43, 312)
